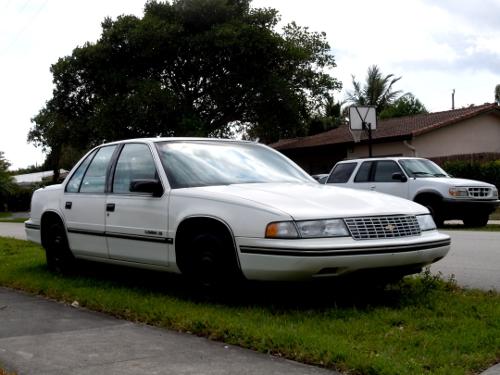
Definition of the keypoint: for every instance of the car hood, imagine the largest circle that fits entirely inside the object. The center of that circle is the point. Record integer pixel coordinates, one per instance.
(456, 181)
(312, 201)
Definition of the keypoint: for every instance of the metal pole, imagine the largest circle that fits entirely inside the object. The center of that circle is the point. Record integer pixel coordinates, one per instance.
(368, 126)
(370, 139)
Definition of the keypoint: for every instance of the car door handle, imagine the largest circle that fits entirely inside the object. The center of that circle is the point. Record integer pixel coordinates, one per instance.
(372, 187)
(110, 207)
(68, 205)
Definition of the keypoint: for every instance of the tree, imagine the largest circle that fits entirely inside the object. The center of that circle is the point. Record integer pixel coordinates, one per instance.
(186, 68)
(377, 90)
(6, 183)
(497, 94)
(406, 105)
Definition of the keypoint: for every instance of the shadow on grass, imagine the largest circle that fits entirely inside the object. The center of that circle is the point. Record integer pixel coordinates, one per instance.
(356, 291)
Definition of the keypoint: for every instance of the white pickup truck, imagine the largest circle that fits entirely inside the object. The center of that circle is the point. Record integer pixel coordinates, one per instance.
(422, 181)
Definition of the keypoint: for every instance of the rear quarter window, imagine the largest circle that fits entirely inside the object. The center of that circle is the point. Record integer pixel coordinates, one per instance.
(341, 173)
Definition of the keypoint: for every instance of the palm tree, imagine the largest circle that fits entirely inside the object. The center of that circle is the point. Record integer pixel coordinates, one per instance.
(377, 90)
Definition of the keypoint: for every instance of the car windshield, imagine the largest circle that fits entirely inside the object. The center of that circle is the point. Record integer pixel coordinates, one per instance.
(422, 168)
(205, 163)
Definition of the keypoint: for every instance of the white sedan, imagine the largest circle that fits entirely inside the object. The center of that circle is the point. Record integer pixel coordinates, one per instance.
(215, 210)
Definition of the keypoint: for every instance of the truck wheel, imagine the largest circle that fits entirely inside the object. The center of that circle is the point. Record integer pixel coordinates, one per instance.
(434, 208)
(57, 251)
(478, 220)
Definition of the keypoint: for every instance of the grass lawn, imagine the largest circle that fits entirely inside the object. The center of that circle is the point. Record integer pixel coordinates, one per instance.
(420, 326)
(495, 215)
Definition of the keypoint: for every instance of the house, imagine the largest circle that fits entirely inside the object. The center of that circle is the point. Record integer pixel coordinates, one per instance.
(471, 133)
(37, 177)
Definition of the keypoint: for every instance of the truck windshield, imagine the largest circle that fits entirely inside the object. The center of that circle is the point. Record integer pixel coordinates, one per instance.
(422, 168)
(209, 163)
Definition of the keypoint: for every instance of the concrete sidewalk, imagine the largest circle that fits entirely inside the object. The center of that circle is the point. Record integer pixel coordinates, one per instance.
(42, 337)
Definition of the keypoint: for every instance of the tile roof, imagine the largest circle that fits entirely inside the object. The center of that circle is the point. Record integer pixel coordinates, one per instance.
(400, 127)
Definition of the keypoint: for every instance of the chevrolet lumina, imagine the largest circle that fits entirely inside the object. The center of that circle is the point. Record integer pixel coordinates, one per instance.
(216, 209)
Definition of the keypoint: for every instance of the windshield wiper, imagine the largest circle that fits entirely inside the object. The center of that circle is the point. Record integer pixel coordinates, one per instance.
(439, 175)
(420, 173)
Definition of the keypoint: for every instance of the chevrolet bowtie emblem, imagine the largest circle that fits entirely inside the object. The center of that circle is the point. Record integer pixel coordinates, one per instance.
(390, 228)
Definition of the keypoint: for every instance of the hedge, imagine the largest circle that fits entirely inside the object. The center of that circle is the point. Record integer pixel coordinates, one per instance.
(487, 171)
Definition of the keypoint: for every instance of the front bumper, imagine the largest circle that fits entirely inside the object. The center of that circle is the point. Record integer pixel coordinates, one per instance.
(269, 259)
(33, 232)
(458, 209)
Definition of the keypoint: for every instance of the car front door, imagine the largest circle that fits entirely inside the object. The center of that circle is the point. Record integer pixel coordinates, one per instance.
(136, 222)
(83, 204)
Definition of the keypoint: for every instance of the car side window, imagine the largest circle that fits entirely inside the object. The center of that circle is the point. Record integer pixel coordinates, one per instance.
(384, 170)
(73, 184)
(94, 180)
(363, 174)
(341, 173)
(135, 163)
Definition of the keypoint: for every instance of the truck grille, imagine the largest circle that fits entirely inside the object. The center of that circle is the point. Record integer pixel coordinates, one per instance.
(479, 192)
(376, 227)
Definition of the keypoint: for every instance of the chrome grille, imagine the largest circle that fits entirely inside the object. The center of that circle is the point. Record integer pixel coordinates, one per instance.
(479, 192)
(375, 227)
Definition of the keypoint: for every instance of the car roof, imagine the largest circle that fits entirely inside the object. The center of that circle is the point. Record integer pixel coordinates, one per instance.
(380, 158)
(178, 139)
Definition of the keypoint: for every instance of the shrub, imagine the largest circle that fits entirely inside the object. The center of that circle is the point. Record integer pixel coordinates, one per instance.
(487, 171)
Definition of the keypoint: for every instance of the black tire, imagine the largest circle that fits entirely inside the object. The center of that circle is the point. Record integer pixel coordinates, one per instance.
(435, 209)
(476, 221)
(57, 251)
(209, 262)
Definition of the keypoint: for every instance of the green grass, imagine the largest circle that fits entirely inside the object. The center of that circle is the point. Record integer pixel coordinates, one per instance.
(495, 215)
(421, 326)
(13, 220)
(6, 217)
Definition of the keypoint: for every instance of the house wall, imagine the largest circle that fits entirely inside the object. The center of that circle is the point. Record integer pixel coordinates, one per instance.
(473, 136)
(381, 149)
(317, 160)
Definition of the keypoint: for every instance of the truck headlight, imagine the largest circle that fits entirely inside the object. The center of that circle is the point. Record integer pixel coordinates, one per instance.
(322, 228)
(495, 192)
(459, 192)
(426, 222)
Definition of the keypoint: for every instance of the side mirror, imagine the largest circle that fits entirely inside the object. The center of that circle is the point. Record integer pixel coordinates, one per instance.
(147, 186)
(399, 177)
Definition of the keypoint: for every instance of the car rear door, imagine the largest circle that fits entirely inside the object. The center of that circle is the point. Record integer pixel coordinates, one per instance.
(83, 204)
(136, 223)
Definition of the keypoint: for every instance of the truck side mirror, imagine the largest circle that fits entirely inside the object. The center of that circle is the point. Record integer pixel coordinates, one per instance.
(399, 177)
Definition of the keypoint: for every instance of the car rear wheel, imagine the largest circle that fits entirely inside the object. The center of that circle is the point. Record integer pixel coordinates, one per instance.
(57, 252)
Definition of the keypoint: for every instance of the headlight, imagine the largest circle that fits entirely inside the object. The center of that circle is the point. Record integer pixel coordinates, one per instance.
(458, 192)
(495, 192)
(282, 229)
(426, 222)
(322, 228)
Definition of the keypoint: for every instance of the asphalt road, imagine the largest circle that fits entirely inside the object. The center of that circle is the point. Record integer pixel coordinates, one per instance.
(474, 259)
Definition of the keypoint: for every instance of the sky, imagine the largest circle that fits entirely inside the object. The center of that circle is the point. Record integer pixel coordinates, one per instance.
(435, 46)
